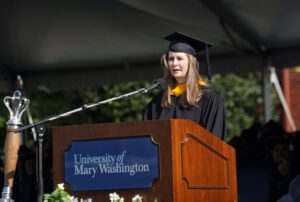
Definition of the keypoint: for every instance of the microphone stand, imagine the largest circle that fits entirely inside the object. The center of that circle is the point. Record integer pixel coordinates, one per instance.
(41, 128)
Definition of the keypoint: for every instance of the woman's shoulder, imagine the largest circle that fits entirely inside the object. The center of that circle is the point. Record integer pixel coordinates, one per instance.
(210, 92)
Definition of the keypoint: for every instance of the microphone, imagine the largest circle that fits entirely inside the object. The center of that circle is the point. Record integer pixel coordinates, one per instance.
(159, 83)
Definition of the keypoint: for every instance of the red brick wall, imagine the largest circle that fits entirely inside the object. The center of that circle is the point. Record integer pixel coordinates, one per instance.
(290, 80)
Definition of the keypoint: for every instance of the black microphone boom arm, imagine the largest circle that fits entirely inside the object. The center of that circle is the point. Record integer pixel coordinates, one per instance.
(157, 84)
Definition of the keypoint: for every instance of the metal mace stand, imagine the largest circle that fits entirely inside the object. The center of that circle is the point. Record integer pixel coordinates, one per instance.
(41, 128)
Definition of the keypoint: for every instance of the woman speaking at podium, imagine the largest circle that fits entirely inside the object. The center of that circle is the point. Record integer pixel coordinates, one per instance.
(186, 96)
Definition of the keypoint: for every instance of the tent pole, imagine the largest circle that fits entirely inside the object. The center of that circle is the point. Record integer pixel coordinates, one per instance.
(274, 80)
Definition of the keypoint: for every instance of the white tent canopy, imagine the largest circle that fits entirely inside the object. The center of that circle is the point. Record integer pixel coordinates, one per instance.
(68, 44)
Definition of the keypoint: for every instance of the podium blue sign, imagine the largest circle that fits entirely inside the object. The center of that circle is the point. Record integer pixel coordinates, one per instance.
(124, 163)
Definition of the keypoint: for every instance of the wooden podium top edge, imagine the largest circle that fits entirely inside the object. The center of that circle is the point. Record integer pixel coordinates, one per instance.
(129, 122)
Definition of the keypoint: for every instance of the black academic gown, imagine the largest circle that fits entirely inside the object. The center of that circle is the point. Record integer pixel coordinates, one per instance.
(208, 113)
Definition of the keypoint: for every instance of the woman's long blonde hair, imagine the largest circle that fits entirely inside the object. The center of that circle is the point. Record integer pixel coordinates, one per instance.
(193, 90)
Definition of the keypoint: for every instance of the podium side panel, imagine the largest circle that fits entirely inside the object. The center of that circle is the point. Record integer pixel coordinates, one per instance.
(204, 167)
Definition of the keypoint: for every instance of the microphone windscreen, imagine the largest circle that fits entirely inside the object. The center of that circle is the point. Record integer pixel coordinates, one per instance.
(161, 82)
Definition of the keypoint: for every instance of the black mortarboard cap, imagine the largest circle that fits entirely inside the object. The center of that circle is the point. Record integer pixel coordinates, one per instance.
(188, 44)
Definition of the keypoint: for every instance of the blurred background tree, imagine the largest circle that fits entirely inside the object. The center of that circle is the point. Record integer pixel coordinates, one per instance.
(243, 100)
(242, 95)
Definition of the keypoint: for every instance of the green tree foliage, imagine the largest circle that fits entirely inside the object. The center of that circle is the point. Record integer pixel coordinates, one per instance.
(243, 100)
(242, 94)
(43, 104)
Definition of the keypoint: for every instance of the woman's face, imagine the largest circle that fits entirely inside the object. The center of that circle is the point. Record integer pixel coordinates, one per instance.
(178, 64)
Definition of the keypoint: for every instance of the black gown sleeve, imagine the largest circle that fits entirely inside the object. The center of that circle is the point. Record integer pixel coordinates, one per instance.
(153, 109)
(147, 113)
(214, 117)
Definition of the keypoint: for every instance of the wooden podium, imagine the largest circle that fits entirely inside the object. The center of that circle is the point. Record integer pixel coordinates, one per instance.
(194, 165)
